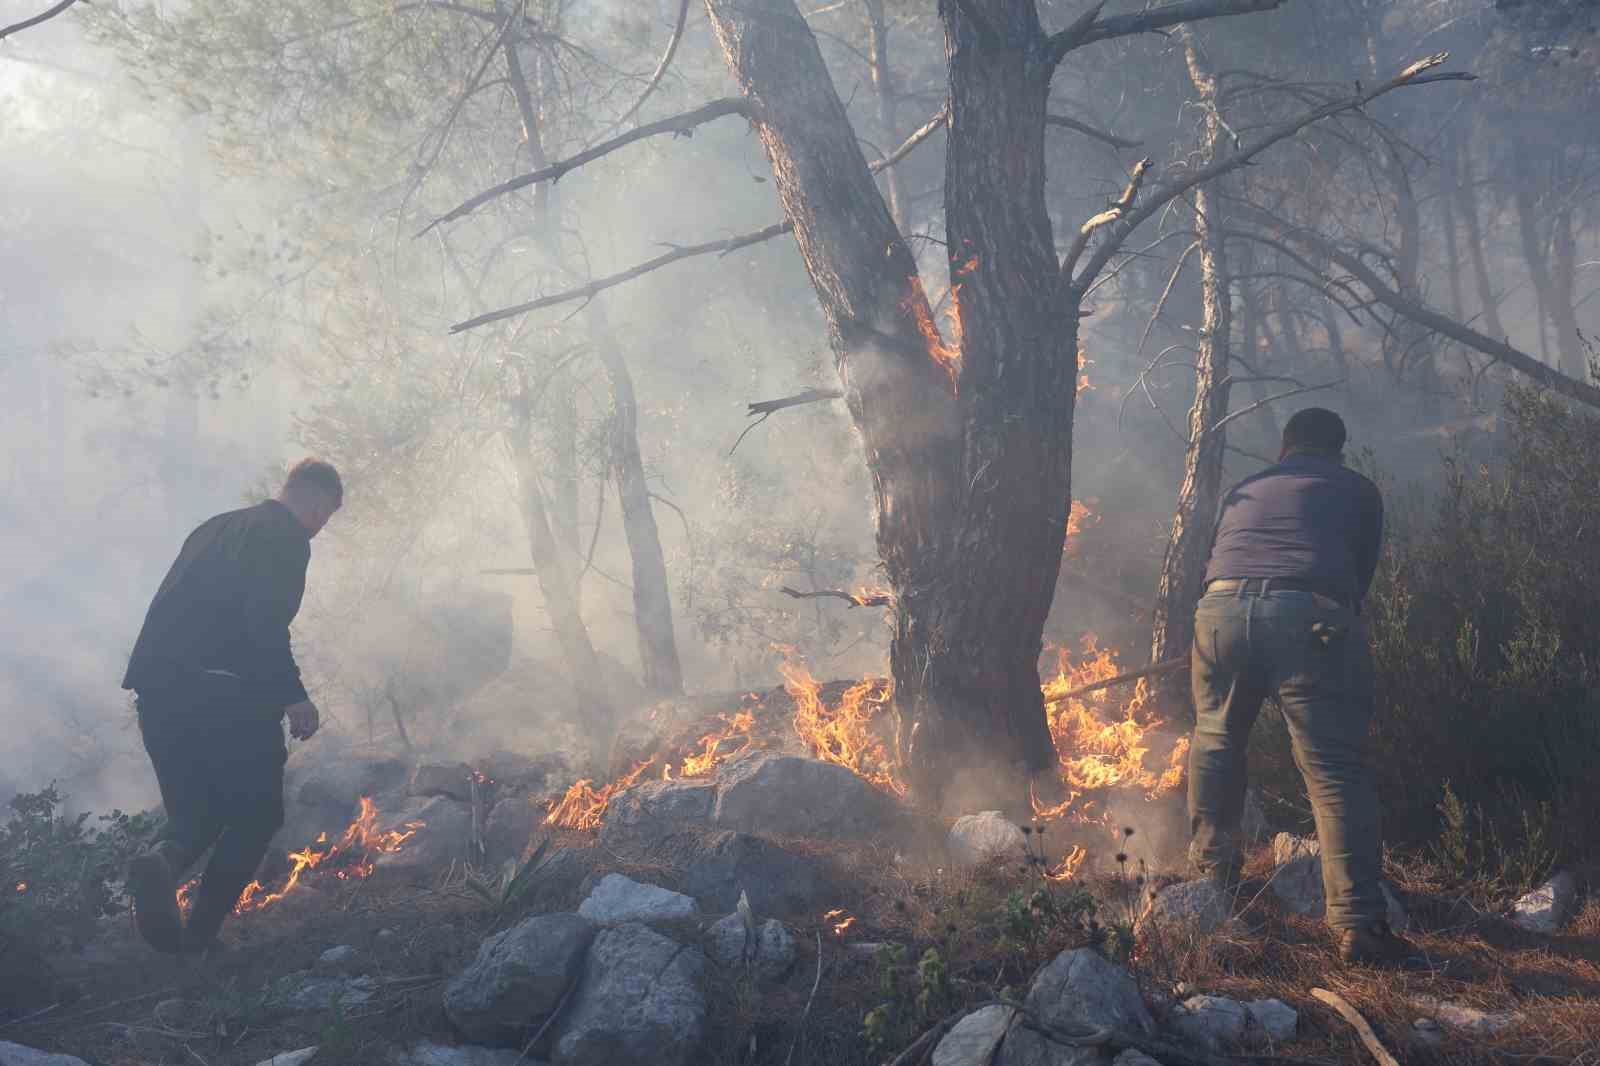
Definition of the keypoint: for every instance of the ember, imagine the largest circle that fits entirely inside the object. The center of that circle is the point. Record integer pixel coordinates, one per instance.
(348, 859)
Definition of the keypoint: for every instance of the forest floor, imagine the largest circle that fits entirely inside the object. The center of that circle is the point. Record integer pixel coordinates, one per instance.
(119, 1004)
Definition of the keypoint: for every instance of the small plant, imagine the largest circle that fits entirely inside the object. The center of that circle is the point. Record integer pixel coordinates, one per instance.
(338, 1039)
(908, 1006)
(1514, 849)
(1131, 881)
(500, 893)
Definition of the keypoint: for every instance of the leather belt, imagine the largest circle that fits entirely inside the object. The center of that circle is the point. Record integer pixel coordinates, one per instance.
(1260, 586)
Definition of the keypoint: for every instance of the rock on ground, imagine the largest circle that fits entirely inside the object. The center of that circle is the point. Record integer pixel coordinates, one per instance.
(442, 838)
(618, 899)
(1078, 988)
(290, 1058)
(430, 1054)
(509, 830)
(973, 1040)
(1470, 1020)
(769, 953)
(1201, 905)
(334, 785)
(518, 977)
(647, 814)
(989, 836)
(336, 959)
(715, 867)
(17, 1055)
(786, 795)
(1134, 1057)
(1276, 1020)
(641, 999)
(1547, 908)
(1214, 1021)
(453, 779)
(307, 992)
(1297, 881)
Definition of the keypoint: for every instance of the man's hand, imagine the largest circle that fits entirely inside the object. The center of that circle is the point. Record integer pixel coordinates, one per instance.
(303, 719)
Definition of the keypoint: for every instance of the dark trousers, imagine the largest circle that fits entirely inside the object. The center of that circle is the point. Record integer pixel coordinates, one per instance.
(1311, 652)
(218, 757)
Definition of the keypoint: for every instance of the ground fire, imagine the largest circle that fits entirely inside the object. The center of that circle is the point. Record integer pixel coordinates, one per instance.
(352, 857)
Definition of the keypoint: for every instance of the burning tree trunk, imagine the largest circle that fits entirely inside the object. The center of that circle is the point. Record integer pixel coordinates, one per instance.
(652, 598)
(1189, 542)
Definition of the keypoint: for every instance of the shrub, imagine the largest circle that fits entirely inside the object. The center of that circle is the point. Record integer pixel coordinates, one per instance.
(1485, 623)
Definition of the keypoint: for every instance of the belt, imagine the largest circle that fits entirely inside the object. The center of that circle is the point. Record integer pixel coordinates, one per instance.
(1260, 586)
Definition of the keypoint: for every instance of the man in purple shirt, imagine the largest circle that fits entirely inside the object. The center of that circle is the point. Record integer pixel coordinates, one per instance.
(1295, 550)
(215, 677)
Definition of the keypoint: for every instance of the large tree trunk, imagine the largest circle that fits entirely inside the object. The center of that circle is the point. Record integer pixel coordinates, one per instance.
(1563, 293)
(1189, 543)
(561, 595)
(652, 598)
(1467, 200)
(972, 492)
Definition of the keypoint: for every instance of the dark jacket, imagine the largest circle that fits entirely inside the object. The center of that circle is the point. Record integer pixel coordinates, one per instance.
(226, 604)
(1307, 518)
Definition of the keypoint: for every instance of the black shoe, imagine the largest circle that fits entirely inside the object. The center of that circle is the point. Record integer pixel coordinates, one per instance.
(153, 887)
(1378, 946)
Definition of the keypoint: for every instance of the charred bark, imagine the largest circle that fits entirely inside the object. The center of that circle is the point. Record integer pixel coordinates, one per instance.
(1189, 541)
(652, 598)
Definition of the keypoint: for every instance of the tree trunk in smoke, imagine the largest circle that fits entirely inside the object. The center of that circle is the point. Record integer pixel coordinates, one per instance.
(652, 598)
(1256, 358)
(560, 593)
(1467, 201)
(1563, 293)
(1412, 344)
(883, 84)
(1447, 224)
(1189, 542)
(1533, 244)
(972, 491)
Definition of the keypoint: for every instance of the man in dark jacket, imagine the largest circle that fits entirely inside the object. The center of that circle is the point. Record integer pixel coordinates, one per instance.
(1295, 550)
(215, 676)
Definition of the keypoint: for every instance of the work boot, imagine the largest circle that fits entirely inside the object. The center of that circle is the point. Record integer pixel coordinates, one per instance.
(153, 887)
(1377, 945)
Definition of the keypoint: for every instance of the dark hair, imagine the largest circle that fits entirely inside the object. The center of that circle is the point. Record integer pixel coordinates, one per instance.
(316, 474)
(1314, 429)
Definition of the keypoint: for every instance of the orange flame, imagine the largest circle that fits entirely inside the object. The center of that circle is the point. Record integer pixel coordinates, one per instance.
(711, 754)
(843, 734)
(946, 353)
(583, 806)
(1067, 868)
(839, 921)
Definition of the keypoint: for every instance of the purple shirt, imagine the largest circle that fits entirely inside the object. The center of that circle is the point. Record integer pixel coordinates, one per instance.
(1308, 518)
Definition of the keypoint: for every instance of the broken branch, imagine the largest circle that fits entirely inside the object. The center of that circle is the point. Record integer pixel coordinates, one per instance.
(808, 396)
(1105, 218)
(45, 16)
(678, 125)
(1363, 1030)
(1090, 131)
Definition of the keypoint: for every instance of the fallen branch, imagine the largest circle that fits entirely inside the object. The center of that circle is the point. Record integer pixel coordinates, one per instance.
(876, 600)
(1171, 666)
(761, 407)
(18, 27)
(1363, 1030)
(678, 125)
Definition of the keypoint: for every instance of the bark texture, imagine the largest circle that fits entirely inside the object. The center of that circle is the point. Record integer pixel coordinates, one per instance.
(1189, 542)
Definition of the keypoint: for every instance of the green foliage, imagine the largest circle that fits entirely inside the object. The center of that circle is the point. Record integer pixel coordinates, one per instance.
(60, 873)
(909, 1004)
(501, 892)
(1511, 843)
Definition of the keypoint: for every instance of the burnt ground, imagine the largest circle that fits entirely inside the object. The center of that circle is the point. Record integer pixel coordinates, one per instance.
(111, 1005)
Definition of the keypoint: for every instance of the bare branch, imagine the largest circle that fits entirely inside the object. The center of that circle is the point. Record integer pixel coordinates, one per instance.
(1418, 312)
(852, 598)
(921, 134)
(1153, 20)
(1090, 131)
(1171, 666)
(1074, 35)
(1252, 408)
(761, 407)
(661, 69)
(678, 125)
(44, 16)
(599, 285)
(1105, 218)
(1166, 193)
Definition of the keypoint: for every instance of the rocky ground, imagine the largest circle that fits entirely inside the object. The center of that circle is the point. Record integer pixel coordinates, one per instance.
(786, 912)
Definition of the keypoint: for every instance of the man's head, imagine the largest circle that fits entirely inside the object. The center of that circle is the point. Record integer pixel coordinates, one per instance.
(1314, 431)
(312, 492)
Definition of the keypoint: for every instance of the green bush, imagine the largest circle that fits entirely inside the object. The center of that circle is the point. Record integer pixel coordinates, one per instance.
(1485, 623)
(59, 873)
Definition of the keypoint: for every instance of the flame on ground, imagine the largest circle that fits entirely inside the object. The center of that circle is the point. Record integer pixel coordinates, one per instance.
(839, 921)
(350, 858)
(1103, 743)
(843, 734)
(1067, 868)
(583, 805)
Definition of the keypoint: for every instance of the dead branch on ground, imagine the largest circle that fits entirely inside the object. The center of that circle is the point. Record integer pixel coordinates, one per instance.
(1171, 666)
(1363, 1030)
